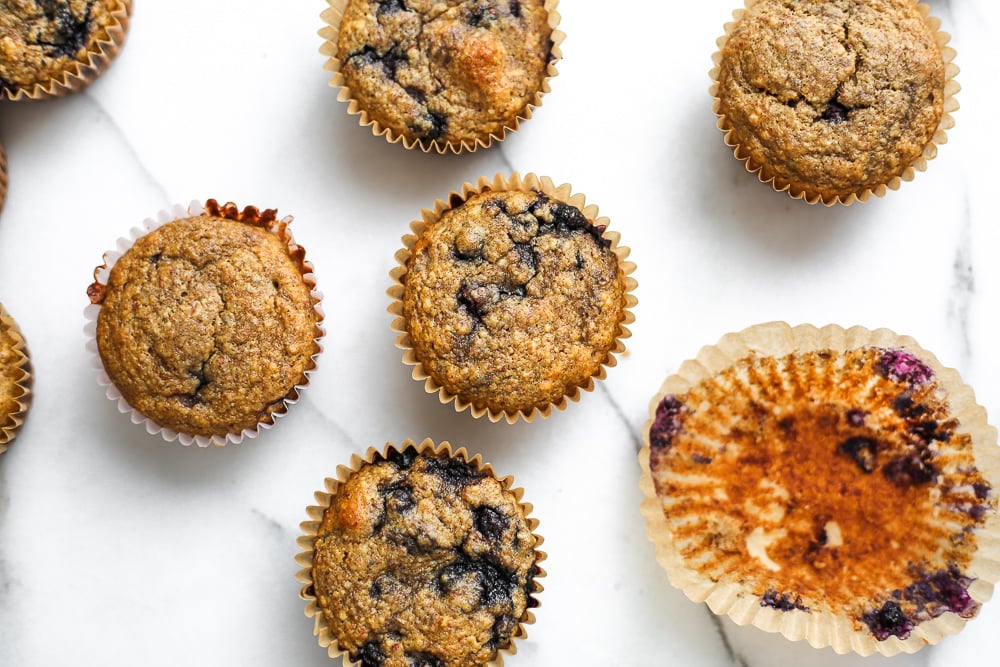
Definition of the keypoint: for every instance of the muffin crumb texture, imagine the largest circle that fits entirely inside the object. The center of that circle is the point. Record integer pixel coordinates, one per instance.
(826, 482)
(450, 71)
(512, 299)
(832, 96)
(42, 39)
(206, 324)
(423, 559)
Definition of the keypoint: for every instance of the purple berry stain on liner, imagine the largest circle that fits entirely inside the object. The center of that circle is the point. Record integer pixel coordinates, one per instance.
(932, 595)
(888, 621)
(856, 418)
(782, 602)
(903, 367)
(666, 423)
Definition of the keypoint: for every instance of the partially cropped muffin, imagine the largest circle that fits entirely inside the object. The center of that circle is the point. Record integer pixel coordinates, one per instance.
(834, 100)
(15, 379)
(421, 557)
(454, 73)
(49, 47)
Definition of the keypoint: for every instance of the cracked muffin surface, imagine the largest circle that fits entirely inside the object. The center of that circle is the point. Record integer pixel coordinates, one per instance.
(42, 39)
(206, 324)
(512, 299)
(447, 71)
(423, 559)
(832, 96)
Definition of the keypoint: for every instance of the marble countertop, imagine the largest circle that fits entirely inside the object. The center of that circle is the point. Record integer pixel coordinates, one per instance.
(117, 548)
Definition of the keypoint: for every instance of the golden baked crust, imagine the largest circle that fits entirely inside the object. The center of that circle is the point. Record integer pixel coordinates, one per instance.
(206, 323)
(13, 375)
(832, 96)
(824, 481)
(40, 40)
(423, 559)
(446, 71)
(511, 299)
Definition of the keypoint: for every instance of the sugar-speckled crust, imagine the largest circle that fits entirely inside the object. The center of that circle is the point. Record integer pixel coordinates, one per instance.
(423, 559)
(445, 70)
(512, 299)
(206, 325)
(13, 375)
(825, 482)
(833, 96)
(42, 39)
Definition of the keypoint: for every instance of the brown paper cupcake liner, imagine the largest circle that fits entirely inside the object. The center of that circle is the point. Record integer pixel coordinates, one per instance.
(80, 74)
(780, 184)
(102, 272)
(11, 423)
(3, 177)
(724, 594)
(333, 15)
(530, 182)
(310, 529)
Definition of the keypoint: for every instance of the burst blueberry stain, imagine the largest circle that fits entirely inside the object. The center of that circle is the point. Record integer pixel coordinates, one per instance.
(982, 490)
(390, 7)
(862, 450)
(903, 367)
(888, 621)
(905, 406)
(835, 113)
(495, 584)
(782, 602)
(667, 423)
(453, 471)
(490, 523)
(423, 659)
(402, 459)
(370, 655)
(910, 470)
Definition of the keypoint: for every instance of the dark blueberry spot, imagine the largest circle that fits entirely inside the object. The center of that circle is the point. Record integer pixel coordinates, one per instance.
(910, 470)
(565, 216)
(666, 423)
(423, 660)
(856, 418)
(71, 34)
(155, 259)
(475, 299)
(188, 400)
(483, 12)
(515, 8)
(974, 511)
(835, 113)
(526, 254)
(903, 367)
(698, 458)
(389, 61)
(417, 94)
(579, 260)
(491, 523)
(945, 590)
(399, 498)
(982, 490)
(403, 459)
(503, 628)
(906, 408)
(782, 602)
(889, 621)
(390, 7)
(433, 125)
(862, 450)
(495, 585)
(453, 471)
(370, 655)
(930, 430)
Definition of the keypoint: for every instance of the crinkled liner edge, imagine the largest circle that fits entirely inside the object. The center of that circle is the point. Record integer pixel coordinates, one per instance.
(499, 183)
(820, 629)
(91, 312)
(3, 177)
(11, 424)
(310, 530)
(332, 17)
(80, 75)
(939, 138)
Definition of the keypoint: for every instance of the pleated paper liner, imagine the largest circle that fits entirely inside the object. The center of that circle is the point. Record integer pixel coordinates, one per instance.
(101, 52)
(311, 528)
(3, 177)
(21, 374)
(333, 15)
(251, 215)
(530, 182)
(769, 176)
(702, 535)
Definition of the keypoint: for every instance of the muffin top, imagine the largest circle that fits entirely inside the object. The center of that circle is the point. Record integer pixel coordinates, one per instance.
(41, 39)
(206, 323)
(12, 373)
(423, 559)
(823, 481)
(511, 299)
(447, 71)
(833, 96)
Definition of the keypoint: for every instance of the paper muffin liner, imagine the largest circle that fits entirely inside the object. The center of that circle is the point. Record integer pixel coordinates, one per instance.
(80, 74)
(324, 499)
(266, 219)
(822, 628)
(765, 174)
(3, 177)
(333, 15)
(10, 424)
(528, 183)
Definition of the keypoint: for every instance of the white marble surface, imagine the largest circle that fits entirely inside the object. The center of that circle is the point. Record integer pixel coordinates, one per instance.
(117, 548)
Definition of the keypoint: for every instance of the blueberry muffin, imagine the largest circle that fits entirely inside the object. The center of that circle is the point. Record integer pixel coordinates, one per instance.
(834, 100)
(437, 74)
(420, 558)
(843, 480)
(50, 47)
(15, 379)
(208, 324)
(513, 299)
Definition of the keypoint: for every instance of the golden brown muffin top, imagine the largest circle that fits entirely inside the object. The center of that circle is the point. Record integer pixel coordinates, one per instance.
(834, 96)
(511, 299)
(823, 481)
(206, 324)
(12, 371)
(41, 39)
(423, 559)
(445, 70)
